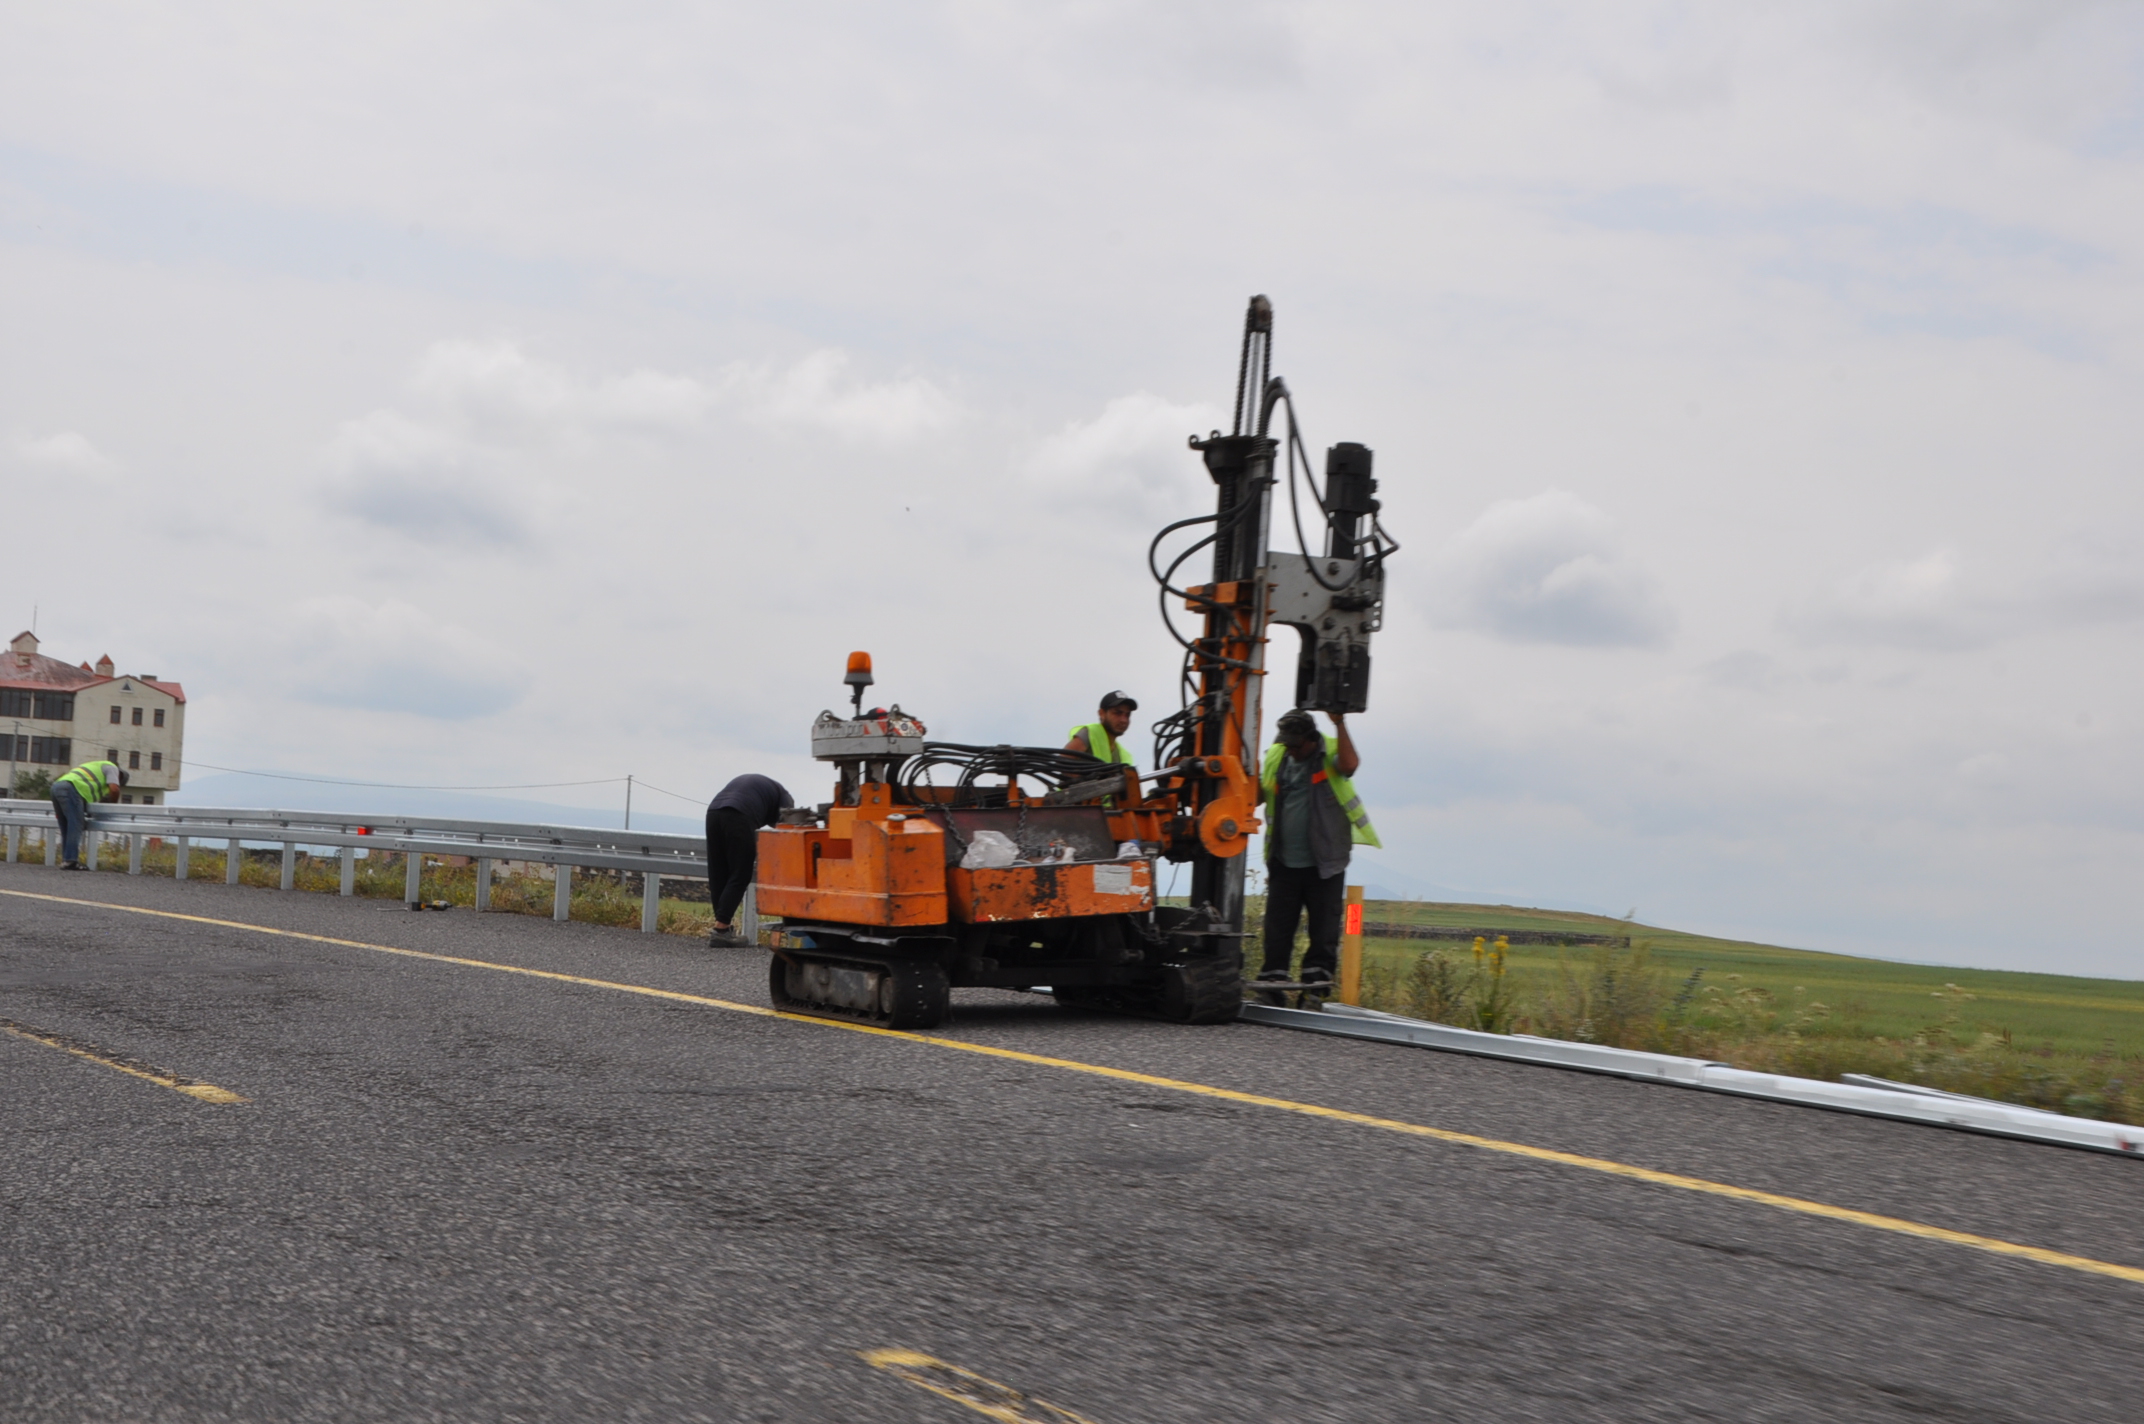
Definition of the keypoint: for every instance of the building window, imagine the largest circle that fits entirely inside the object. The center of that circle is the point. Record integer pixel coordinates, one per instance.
(111, 754)
(137, 716)
(159, 716)
(126, 800)
(44, 706)
(156, 761)
(133, 761)
(115, 716)
(49, 750)
(148, 800)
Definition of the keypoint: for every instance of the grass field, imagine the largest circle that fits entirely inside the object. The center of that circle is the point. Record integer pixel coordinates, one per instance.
(1878, 997)
(2054, 1041)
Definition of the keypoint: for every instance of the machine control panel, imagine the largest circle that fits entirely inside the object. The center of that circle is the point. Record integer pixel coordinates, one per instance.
(889, 736)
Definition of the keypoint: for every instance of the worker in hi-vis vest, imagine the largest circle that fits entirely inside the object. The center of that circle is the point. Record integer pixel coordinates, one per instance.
(1314, 820)
(1101, 738)
(73, 795)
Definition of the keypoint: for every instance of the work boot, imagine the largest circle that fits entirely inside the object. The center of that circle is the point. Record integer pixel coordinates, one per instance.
(1273, 997)
(721, 938)
(1317, 974)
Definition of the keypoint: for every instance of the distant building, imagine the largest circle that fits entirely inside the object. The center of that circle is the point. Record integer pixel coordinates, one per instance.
(56, 715)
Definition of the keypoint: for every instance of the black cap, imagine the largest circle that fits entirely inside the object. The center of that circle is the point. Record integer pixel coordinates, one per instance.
(1296, 726)
(1113, 700)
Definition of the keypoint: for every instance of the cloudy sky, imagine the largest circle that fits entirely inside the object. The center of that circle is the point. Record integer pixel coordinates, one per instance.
(488, 394)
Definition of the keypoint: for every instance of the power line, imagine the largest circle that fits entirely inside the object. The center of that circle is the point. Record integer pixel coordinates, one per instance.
(651, 786)
(412, 786)
(408, 786)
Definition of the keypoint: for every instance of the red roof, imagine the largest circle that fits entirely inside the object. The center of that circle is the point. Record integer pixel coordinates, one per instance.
(38, 672)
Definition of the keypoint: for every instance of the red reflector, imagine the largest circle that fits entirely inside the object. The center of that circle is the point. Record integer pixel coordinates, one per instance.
(1354, 920)
(364, 830)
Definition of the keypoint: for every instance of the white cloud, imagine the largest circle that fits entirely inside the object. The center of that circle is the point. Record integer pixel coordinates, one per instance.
(1933, 603)
(433, 485)
(1131, 457)
(1547, 570)
(816, 392)
(1910, 603)
(69, 451)
(393, 656)
(497, 380)
(496, 384)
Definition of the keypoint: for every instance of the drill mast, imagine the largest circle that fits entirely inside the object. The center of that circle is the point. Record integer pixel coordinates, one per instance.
(1333, 597)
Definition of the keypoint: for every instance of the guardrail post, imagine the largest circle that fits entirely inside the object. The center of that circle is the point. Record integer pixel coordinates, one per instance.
(52, 845)
(135, 842)
(562, 896)
(413, 877)
(1350, 986)
(747, 914)
(96, 846)
(14, 838)
(483, 883)
(290, 865)
(349, 870)
(234, 858)
(651, 901)
(179, 854)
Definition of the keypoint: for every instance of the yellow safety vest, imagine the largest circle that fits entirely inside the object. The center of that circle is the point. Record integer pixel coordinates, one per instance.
(1360, 831)
(92, 779)
(1101, 745)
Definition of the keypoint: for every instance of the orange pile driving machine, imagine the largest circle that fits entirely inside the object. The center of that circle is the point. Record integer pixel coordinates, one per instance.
(939, 865)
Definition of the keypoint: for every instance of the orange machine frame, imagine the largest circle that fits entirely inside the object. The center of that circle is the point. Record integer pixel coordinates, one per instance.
(882, 863)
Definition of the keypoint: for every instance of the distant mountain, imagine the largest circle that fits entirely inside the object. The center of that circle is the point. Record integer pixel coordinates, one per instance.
(259, 793)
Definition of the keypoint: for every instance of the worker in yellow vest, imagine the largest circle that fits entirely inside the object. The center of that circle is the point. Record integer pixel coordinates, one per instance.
(73, 795)
(1314, 820)
(1100, 738)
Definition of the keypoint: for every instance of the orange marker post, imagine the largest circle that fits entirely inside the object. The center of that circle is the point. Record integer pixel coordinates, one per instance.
(1351, 950)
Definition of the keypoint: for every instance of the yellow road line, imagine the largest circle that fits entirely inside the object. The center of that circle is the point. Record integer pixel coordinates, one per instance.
(205, 1092)
(967, 1388)
(1897, 1225)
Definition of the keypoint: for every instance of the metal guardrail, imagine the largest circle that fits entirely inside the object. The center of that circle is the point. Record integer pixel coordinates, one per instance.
(1902, 1103)
(652, 853)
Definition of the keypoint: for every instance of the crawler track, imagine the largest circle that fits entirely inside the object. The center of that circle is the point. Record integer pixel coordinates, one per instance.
(888, 992)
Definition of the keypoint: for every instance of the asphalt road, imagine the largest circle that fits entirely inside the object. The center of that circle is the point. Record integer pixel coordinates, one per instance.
(456, 1193)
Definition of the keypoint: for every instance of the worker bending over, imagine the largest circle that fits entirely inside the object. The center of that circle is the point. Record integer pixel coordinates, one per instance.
(73, 795)
(1099, 738)
(733, 821)
(1314, 820)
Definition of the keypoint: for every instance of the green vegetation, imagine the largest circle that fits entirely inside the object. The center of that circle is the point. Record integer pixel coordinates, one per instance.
(2052, 1041)
(598, 897)
(33, 785)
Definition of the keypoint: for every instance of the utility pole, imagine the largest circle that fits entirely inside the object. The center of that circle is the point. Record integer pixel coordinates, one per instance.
(629, 803)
